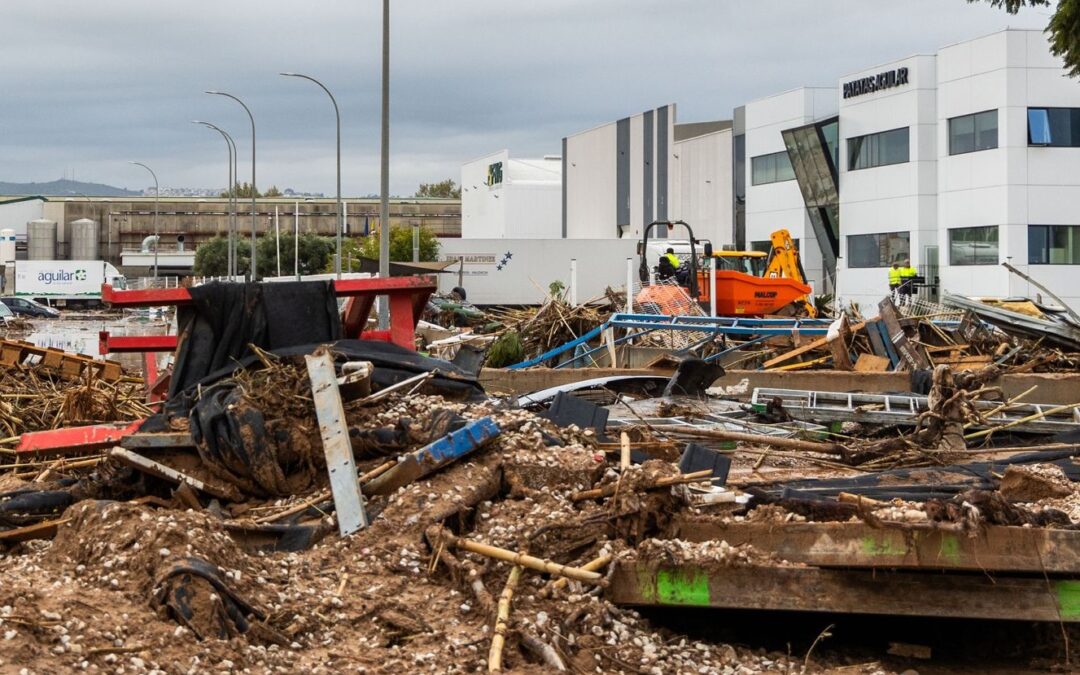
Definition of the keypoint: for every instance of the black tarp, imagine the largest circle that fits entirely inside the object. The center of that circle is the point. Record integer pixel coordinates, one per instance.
(216, 329)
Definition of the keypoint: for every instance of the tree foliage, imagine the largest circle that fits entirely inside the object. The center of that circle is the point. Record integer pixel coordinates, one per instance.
(315, 254)
(1064, 27)
(212, 257)
(401, 245)
(243, 191)
(446, 189)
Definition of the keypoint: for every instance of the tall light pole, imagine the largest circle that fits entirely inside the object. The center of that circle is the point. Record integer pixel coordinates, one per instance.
(254, 268)
(384, 187)
(157, 192)
(230, 145)
(340, 210)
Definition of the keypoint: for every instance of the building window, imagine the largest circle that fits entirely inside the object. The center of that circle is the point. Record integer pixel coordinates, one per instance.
(881, 149)
(1054, 127)
(877, 250)
(971, 133)
(772, 168)
(1054, 244)
(973, 246)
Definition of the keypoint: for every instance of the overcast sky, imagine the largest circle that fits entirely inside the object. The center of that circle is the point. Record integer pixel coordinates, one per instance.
(87, 86)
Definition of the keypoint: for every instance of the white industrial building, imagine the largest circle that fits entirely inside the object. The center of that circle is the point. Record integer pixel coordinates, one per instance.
(511, 198)
(957, 160)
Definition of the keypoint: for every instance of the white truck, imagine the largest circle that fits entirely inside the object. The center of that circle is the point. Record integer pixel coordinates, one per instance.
(64, 282)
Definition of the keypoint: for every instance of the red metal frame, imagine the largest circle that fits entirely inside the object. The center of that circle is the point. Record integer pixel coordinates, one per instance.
(117, 344)
(407, 297)
(75, 440)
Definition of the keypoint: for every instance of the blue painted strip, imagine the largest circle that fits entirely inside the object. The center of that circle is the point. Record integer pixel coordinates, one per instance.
(458, 443)
(560, 349)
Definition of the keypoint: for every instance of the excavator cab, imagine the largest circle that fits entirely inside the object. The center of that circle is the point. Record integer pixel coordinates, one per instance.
(746, 283)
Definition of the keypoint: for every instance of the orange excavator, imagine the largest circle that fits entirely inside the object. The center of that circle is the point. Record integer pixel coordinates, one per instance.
(742, 286)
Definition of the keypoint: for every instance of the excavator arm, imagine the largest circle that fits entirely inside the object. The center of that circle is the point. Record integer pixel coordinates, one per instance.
(784, 262)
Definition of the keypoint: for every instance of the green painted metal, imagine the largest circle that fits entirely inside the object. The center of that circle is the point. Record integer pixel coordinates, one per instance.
(682, 587)
(1068, 598)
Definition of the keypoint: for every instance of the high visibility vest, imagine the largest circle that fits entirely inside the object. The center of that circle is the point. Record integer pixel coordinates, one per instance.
(673, 259)
(908, 272)
(895, 276)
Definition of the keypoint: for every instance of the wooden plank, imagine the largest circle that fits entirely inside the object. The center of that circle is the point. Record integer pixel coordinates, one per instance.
(871, 363)
(147, 465)
(968, 595)
(164, 440)
(839, 347)
(348, 502)
(46, 529)
(911, 355)
(995, 549)
(808, 347)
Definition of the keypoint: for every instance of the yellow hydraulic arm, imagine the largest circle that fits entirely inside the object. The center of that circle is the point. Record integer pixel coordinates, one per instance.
(784, 263)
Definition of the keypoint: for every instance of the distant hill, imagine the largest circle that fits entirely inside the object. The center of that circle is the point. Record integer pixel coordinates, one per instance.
(65, 188)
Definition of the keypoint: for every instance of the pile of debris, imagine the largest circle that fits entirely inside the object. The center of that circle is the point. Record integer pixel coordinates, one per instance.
(214, 550)
(36, 397)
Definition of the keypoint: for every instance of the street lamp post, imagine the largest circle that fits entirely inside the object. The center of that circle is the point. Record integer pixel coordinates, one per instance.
(384, 187)
(340, 210)
(254, 268)
(230, 145)
(157, 237)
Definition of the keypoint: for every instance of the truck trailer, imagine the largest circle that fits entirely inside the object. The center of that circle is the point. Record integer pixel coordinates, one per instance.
(65, 282)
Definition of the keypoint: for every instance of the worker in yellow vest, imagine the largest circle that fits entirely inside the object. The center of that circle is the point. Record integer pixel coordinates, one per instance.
(894, 277)
(907, 280)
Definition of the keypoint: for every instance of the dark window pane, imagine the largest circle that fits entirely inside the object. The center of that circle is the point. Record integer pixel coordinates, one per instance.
(887, 147)
(961, 135)
(877, 250)
(771, 168)
(1038, 126)
(973, 246)
(986, 130)
(1037, 245)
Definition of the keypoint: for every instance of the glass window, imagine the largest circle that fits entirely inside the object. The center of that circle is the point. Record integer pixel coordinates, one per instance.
(772, 168)
(831, 133)
(1055, 127)
(1054, 244)
(973, 246)
(881, 149)
(877, 250)
(969, 133)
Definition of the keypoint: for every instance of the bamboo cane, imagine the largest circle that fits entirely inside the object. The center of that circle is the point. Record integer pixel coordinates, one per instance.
(1022, 420)
(521, 559)
(667, 481)
(594, 565)
(501, 617)
(738, 436)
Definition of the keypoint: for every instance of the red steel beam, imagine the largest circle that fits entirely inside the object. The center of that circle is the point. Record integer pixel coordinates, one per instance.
(116, 344)
(75, 440)
(157, 297)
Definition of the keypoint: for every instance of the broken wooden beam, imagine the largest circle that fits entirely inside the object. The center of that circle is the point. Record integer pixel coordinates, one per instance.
(968, 595)
(154, 468)
(995, 548)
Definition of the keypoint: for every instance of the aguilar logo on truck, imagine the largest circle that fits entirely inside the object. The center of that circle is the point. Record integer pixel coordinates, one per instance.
(61, 276)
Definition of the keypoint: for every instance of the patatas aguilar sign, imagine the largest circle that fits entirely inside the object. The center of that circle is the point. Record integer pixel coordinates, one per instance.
(868, 85)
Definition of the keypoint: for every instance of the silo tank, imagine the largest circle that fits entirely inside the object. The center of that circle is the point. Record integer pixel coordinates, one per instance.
(7, 245)
(41, 239)
(85, 239)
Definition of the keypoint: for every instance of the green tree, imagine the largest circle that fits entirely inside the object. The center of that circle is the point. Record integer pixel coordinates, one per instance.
(273, 192)
(315, 254)
(243, 191)
(1064, 27)
(212, 257)
(401, 245)
(446, 189)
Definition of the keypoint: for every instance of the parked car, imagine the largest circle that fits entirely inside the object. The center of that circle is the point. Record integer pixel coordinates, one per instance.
(28, 307)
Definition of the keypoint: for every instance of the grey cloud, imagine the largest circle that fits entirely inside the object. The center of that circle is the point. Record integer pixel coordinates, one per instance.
(91, 85)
